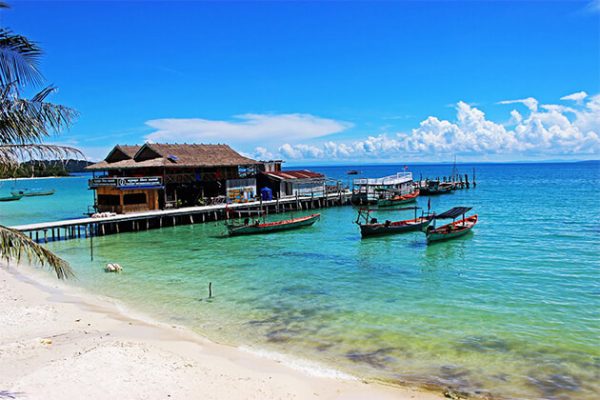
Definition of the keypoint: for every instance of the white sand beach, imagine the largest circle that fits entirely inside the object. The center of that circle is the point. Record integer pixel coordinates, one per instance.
(58, 342)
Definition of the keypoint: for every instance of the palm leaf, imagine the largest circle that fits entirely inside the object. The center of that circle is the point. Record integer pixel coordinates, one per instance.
(12, 155)
(19, 59)
(15, 245)
(25, 121)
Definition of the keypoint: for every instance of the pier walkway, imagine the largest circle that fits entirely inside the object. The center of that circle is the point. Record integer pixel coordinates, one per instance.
(91, 226)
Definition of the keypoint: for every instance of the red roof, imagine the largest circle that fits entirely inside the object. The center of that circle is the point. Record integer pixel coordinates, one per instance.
(296, 174)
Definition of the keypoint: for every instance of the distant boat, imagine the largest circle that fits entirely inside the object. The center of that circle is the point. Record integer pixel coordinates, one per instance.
(454, 229)
(11, 198)
(436, 187)
(397, 199)
(372, 227)
(270, 227)
(33, 192)
(353, 172)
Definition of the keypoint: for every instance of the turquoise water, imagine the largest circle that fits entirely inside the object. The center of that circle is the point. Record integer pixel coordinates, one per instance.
(71, 200)
(512, 309)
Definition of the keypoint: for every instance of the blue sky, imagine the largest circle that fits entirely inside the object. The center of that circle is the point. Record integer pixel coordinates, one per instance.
(327, 82)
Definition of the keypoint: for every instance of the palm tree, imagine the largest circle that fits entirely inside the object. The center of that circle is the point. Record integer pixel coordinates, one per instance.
(24, 124)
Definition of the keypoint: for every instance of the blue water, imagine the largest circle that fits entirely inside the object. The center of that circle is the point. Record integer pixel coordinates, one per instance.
(511, 310)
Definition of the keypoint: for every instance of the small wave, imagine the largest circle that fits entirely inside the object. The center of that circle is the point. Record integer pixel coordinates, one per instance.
(308, 367)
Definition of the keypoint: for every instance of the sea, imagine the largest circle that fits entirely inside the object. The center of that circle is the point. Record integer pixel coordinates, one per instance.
(511, 310)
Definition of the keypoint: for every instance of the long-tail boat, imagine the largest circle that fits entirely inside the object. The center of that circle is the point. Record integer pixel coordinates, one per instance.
(436, 187)
(454, 229)
(248, 228)
(372, 227)
(12, 197)
(397, 199)
(33, 192)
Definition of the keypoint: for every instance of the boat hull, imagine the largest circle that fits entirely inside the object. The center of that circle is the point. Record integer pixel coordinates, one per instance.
(411, 225)
(33, 193)
(271, 227)
(451, 231)
(11, 198)
(398, 200)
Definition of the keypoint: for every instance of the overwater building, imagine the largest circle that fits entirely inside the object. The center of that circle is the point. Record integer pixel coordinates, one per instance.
(158, 176)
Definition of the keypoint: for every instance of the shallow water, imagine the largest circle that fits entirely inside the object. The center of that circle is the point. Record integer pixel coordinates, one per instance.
(511, 309)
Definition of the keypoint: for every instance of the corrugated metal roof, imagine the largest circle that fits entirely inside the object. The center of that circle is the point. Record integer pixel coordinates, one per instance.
(294, 174)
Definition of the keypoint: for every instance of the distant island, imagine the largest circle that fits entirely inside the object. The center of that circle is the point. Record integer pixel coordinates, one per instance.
(45, 168)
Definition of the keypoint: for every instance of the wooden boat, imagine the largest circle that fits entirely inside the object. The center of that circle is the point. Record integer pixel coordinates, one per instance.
(372, 227)
(436, 187)
(33, 192)
(454, 229)
(397, 200)
(11, 198)
(270, 227)
(353, 172)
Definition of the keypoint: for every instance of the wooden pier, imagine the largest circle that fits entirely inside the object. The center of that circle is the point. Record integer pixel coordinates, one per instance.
(86, 227)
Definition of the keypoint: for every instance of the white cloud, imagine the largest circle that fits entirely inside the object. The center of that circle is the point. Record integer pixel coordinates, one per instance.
(245, 128)
(593, 6)
(529, 102)
(548, 130)
(576, 97)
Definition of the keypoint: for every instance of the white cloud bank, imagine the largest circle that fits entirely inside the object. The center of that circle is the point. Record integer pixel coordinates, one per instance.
(548, 130)
(245, 128)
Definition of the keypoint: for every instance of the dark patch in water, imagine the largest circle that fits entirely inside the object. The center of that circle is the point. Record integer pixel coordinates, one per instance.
(282, 335)
(377, 359)
(483, 344)
(336, 259)
(324, 347)
(453, 373)
(302, 290)
(271, 320)
(553, 386)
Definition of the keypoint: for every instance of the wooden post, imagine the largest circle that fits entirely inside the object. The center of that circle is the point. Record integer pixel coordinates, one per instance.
(91, 244)
(209, 290)
(45, 235)
(37, 239)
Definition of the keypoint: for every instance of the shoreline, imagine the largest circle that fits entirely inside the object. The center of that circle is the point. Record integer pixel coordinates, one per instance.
(57, 339)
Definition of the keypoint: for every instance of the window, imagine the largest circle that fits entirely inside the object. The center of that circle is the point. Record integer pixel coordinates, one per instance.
(134, 198)
(108, 200)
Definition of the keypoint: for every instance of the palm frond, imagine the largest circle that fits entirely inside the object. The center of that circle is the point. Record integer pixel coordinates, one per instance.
(12, 155)
(19, 59)
(15, 246)
(29, 121)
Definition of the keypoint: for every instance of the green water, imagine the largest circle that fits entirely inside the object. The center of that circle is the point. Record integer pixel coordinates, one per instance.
(511, 309)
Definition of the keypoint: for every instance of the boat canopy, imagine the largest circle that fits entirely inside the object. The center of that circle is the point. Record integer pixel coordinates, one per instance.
(452, 213)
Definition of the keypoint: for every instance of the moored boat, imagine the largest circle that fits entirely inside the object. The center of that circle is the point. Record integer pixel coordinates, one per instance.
(248, 228)
(368, 190)
(33, 192)
(436, 187)
(454, 229)
(397, 199)
(12, 197)
(372, 227)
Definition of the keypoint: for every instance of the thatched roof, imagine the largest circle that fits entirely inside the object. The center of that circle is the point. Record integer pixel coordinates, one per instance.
(171, 155)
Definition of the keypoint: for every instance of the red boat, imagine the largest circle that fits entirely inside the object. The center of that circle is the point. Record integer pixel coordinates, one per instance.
(398, 199)
(248, 228)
